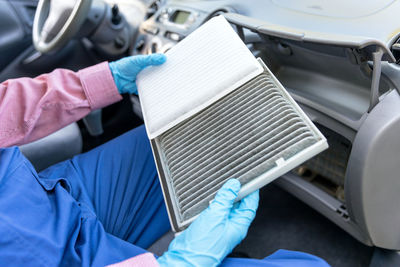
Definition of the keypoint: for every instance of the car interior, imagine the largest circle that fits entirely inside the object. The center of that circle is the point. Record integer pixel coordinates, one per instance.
(338, 59)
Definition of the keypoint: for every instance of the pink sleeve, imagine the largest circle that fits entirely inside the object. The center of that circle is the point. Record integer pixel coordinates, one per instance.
(142, 260)
(33, 108)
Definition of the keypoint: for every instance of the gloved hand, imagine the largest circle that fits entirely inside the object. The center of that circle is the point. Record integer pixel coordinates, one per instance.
(217, 230)
(124, 71)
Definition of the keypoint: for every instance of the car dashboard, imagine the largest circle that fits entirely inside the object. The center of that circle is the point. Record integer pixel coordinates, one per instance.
(339, 62)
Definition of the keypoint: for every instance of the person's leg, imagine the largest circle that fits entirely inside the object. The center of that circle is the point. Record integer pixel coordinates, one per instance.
(119, 181)
(42, 224)
(281, 258)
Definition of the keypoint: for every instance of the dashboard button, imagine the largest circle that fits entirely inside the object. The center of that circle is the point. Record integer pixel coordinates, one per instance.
(174, 36)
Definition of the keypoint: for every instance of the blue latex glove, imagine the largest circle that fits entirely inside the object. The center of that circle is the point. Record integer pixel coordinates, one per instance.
(215, 233)
(124, 71)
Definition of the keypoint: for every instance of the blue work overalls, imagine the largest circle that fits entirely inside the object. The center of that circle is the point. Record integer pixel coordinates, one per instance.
(98, 208)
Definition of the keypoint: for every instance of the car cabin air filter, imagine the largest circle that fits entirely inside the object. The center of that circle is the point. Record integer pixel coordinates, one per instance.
(231, 118)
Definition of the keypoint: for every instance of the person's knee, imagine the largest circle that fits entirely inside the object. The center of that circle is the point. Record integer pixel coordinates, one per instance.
(135, 136)
(134, 147)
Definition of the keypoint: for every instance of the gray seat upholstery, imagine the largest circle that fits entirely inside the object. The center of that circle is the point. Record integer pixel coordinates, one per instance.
(161, 245)
(54, 148)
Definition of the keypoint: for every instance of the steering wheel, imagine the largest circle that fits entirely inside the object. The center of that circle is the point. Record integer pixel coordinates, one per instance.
(57, 21)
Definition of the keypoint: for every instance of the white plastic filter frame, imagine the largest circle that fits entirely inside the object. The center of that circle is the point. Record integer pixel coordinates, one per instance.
(282, 166)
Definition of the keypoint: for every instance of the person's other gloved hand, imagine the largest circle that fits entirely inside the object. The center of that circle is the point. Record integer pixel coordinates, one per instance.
(217, 230)
(124, 71)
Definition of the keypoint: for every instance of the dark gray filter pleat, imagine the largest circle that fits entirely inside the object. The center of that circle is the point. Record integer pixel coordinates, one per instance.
(242, 135)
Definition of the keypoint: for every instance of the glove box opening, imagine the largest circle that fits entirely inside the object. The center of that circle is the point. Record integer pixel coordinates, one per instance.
(327, 170)
(349, 85)
(320, 183)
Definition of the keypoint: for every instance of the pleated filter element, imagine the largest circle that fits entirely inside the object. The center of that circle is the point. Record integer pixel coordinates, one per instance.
(246, 126)
(255, 134)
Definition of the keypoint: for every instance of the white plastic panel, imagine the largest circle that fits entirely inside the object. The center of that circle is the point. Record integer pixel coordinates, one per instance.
(208, 64)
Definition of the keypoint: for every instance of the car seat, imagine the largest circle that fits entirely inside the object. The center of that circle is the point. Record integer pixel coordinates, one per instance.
(54, 148)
